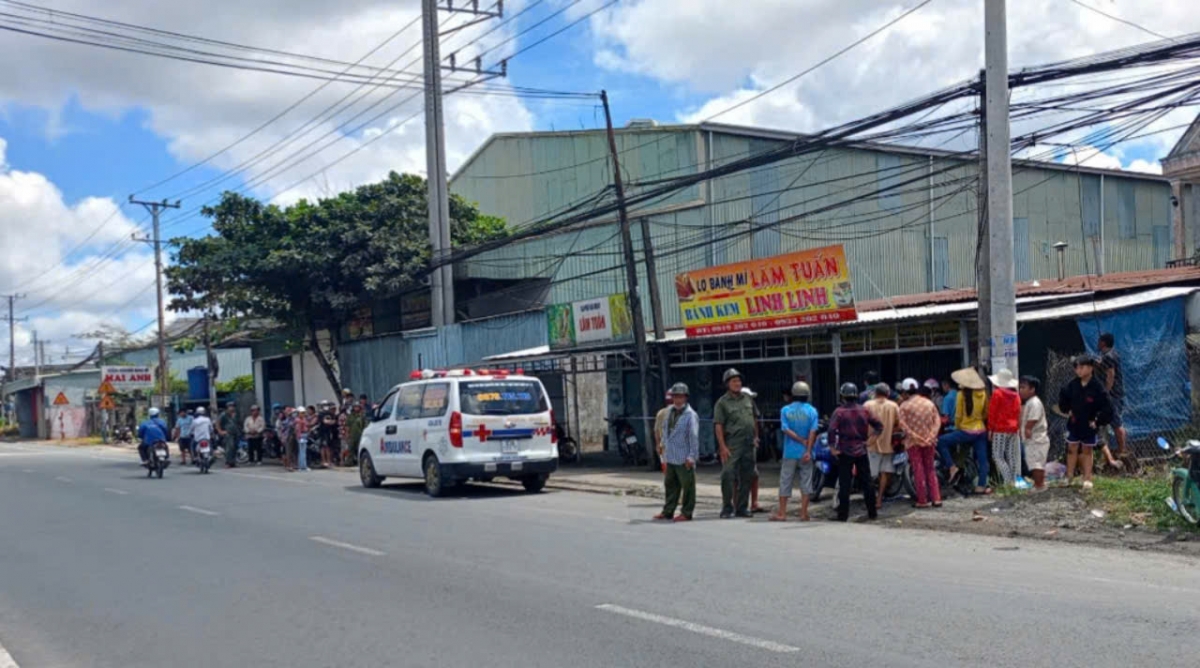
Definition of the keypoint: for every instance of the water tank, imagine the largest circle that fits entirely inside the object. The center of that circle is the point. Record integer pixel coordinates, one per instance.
(197, 383)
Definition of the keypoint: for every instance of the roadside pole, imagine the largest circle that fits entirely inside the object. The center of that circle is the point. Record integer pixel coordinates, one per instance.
(983, 244)
(1003, 296)
(635, 302)
(164, 371)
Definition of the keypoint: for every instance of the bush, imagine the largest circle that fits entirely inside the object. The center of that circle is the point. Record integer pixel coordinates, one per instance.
(239, 384)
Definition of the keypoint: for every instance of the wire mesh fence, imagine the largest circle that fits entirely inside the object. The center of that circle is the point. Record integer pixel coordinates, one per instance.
(1161, 405)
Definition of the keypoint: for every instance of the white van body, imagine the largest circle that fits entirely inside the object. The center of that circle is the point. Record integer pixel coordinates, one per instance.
(449, 427)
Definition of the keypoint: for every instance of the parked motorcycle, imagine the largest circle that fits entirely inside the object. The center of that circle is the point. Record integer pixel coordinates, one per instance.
(568, 448)
(159, 460)
(123, 435)
(204, 456)
(825, 471)
(632, 452)
(272, 445)
(1185, 482)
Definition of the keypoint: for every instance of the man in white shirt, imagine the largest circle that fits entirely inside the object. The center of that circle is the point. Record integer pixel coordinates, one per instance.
(1033, 431)
(202, 427)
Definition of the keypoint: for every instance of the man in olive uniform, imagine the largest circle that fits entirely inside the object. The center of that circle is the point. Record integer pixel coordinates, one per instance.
(737, 434)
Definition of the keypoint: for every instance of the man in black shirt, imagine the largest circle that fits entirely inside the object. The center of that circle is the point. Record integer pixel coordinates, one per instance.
(1085, 403)
(1112, 377)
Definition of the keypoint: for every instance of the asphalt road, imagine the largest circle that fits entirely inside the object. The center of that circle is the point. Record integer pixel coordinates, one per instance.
(101, 567)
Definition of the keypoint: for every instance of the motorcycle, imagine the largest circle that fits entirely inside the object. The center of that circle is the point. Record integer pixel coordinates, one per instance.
(272, 445)
(159, 460)
(568, 448)
(124, 435)
(825, 470)
(204, 456)
(1185, 482)
(632, 452)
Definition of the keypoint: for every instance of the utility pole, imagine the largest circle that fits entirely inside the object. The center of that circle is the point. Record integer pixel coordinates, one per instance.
(441, 280)
(164, 372)
(212, 394)
(37, 364)
(12, 337)
(1003, 296)
(635, 302)
(983, 271)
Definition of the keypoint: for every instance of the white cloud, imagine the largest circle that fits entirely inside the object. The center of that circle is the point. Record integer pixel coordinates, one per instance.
(1144, 166)
(199, 109)
(705, 47)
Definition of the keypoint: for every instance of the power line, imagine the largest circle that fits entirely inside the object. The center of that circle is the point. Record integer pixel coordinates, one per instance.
(1118, 19)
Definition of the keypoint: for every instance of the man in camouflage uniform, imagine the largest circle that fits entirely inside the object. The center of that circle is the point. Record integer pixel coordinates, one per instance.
(737, 434)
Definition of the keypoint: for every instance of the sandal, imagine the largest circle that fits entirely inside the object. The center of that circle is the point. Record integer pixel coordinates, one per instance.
(777, 518)
(937, 505)
(660, 516)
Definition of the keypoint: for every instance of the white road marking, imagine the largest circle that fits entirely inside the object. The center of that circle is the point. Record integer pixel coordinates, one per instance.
(199, 511)
(63, 478)
(113, 490)
(6, 660)
(700, 629)
(346, 546)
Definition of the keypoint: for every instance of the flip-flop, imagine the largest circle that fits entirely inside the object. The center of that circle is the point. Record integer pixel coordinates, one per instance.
(776, 518)
(758, 510)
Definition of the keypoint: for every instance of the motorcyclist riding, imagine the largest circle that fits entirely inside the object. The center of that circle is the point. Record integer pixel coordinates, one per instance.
(202, 429)
(152, 431)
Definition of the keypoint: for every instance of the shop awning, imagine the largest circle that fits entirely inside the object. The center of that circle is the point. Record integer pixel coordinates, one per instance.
(1103, 305)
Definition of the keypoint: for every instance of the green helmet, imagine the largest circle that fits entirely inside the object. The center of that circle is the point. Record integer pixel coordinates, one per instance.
(730, 374)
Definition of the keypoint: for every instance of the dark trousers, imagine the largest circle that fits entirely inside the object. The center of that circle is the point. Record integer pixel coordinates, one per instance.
(851, 469)
(680, 480)
(738, 472)
(255, 446)
(230, 443)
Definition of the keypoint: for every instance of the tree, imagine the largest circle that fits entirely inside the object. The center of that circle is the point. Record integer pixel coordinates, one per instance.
(310, 265)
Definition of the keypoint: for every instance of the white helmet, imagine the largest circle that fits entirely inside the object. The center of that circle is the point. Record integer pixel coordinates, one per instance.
(153, 412)
(200, 411)
(909, 385)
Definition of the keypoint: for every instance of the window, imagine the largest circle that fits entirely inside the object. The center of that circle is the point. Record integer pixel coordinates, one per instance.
(435, 400)
(384, 410)
(410, 402)
(502, 397)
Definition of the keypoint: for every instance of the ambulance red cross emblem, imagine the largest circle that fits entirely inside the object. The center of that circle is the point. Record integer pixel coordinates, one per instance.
(483, 432)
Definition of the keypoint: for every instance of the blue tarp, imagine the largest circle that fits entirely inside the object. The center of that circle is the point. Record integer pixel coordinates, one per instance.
(1151, 342)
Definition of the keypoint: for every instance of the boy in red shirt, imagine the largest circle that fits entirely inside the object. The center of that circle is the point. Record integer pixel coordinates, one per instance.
(1004, 421)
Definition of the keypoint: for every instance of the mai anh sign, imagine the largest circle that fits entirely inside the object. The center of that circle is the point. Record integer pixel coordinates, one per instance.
(804, 288)
(128, 378)
(589, 321)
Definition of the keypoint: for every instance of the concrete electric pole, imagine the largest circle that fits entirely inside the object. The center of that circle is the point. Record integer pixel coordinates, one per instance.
(631, 277)
(1003, 297)
(11, 374)
(164, 372)
(441, 280)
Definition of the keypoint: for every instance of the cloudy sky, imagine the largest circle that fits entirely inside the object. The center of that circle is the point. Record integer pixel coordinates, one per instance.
(81, 127)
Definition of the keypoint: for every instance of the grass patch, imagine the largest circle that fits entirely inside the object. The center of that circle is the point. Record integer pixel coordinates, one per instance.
(1138, 501)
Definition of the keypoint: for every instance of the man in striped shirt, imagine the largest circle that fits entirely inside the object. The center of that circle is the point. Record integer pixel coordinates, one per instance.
(681, 449)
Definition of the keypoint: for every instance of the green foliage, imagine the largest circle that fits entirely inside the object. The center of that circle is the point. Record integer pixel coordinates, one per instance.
(1140, 500)
(239, 384)
(308, 266)
(178, 385)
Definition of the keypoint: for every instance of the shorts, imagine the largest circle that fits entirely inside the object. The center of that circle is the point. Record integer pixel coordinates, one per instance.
(789, 471)
(1036, 454)
(1118, 407)
(881, 462)
(1081, 434)
(185, 444)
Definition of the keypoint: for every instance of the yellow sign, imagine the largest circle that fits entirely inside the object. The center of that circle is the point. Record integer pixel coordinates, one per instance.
(107, 388)
(61, 400)
(809, 287)
(107, 403)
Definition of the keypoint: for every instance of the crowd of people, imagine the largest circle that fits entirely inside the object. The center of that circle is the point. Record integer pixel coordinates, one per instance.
(930, 421)
(331, 428)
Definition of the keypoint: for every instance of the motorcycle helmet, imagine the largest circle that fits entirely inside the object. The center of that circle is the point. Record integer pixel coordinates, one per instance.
(909, 385)
(729, 375)
(200, 410)
(848, 390)
(932, 383)
(153, 412)
(800, 390)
